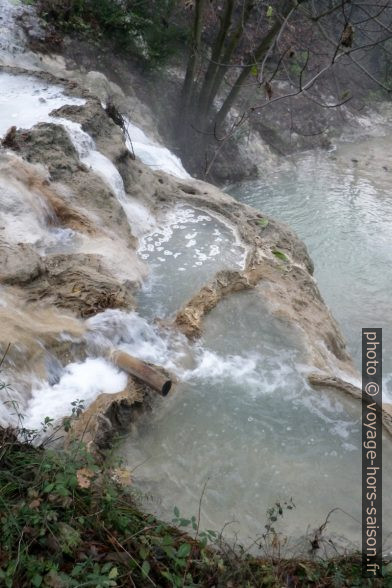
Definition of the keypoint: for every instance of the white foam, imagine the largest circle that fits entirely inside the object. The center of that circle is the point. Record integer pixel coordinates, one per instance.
(80, 381)
(182, 218)
(212, 367)
(26, 101)
(152, 154)
(132, 333)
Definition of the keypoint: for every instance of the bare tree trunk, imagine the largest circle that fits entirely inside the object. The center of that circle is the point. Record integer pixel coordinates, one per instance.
(189, 82)
(215, 57)
(258, 55)
(231, 47)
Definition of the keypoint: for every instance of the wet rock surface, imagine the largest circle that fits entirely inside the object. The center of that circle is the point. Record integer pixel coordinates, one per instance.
(277, 262)
(94, 120)
(20, 264)
(79, 283)
(111, 414)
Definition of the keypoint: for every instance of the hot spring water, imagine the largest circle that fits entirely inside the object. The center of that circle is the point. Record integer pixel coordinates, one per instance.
(242, 418)
(340, 204)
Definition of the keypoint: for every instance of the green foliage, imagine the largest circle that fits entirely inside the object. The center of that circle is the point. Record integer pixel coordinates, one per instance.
(280, 255)
(65, 523)
(263, 222)
(143, 28)
(58, 531)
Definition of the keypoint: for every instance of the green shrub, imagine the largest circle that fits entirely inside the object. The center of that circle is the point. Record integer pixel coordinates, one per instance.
(65, 522)
(145, 28)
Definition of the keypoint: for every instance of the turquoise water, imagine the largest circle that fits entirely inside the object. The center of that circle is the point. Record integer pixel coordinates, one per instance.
(340, 204)
(243, 420)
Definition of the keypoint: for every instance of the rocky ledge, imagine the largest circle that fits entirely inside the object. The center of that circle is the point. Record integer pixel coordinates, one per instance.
(104, 270)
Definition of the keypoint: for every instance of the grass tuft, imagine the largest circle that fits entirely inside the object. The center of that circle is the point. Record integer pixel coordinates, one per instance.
(66, 522)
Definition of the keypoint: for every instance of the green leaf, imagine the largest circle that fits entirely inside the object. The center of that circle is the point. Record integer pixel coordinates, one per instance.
(167, 540)
(36, 580)
(270, 11)
(203, 541)
(114, 572)
(145, 569)
(61, 490)
(68, 537)
(280, 255)
(170, 551)
(254, 71)
(48, 488)
(184, 550)
(263, 222)
(143, 552)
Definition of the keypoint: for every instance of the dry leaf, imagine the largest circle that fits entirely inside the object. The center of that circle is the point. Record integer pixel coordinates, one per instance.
(275, 541)
(84, 476)
(122, 476)
(347, 35)
(35, 503)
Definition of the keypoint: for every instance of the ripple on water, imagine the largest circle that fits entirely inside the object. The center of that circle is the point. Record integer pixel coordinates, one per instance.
(245, 419)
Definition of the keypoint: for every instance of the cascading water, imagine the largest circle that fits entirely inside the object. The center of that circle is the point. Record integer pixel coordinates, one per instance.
(245, 422)
(12, 39)
(42, 99)
(155, 156)
(25, 219)
(243, 417)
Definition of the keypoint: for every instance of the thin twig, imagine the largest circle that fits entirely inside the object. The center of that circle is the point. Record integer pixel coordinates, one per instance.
(5, 354)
